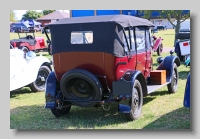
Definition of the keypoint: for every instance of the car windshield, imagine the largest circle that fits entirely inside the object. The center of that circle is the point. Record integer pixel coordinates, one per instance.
(24, 35)
(140, 40)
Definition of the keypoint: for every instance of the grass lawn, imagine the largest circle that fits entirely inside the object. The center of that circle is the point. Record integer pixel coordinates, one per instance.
(160, 111)
(168, 37)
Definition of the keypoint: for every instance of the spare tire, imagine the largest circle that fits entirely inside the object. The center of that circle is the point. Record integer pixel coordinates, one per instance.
(81, 87)
(183, 35)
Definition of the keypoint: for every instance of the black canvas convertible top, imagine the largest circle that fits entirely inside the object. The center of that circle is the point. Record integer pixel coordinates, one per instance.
(107, 33)
(123, 20)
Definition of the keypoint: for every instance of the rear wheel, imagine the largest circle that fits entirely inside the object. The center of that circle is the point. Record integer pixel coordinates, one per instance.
(182, 58)
(136, 102)
(172, 87)
(82, 86)
(25, 49)
(39, 84)
(60, 112)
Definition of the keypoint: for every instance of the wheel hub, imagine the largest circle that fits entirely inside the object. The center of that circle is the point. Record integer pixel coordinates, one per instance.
(42, 79)
(80, 88)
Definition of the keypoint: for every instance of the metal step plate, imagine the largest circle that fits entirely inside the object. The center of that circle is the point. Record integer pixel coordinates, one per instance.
(152, 88)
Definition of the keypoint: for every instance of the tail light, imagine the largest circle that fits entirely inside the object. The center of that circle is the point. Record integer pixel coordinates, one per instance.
(185, 44)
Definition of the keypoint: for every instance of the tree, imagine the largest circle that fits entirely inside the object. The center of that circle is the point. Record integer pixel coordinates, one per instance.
(145, 13)
(30, 14)
(12, 16)
(45, 12)
(179, 16)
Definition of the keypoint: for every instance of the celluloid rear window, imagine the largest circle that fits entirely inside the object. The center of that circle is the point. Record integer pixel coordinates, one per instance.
(81, 37)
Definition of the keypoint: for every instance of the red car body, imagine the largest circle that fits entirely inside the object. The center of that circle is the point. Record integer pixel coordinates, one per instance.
(157, 45)
(31, 44)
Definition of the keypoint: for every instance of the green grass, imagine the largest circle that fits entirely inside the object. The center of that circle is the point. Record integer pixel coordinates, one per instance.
(168, 37)
(160, 111)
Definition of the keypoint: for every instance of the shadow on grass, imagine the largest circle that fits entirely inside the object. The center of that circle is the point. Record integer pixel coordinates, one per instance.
(159, 93)
(181, 120)
(183, 74)
(148, 99)
(87, 118)
(24, 90)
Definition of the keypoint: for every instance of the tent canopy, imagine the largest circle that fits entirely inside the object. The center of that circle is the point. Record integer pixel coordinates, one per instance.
(31, 22)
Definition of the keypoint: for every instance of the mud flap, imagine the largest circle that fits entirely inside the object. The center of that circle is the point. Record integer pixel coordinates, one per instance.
(50, 91)
(123, 90)
(124, 106)
(122, 87)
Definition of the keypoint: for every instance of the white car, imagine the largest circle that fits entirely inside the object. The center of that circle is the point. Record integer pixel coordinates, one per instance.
(27, 69)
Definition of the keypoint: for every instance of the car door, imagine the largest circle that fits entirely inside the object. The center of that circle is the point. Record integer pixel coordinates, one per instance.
(148, 57)
(141, 49)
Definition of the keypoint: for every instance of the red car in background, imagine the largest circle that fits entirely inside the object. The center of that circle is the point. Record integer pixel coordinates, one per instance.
(28, 42)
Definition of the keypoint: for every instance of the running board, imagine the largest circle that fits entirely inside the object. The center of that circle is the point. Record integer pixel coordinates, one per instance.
(152, 88)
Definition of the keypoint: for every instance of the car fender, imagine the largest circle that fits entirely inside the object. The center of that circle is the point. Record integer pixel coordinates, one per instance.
(186, 100)
(123, 88)
(50, 91)
(34, 65)
(29, 72)
(167, 64)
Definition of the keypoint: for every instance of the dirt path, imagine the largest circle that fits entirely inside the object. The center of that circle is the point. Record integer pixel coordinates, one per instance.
(167, 49)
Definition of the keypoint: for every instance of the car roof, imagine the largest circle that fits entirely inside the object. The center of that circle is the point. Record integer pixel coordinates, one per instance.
(123, 20)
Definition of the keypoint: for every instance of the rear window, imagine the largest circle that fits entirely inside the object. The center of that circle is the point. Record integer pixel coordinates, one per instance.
(81, 37)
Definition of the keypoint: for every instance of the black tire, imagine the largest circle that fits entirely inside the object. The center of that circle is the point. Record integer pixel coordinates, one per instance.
(37, 51)
(11, 46)
(38, 85)
(136, 102)
(160, 49)
(173, 86)
(25, 49)
(81, 85)
(182, 58)
(60, 112)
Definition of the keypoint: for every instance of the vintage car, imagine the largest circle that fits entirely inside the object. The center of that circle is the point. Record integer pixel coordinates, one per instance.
(28, 41)
(101, 60)
(186, 100)
(161, 27)
(157, 45)
(28, 70)
(182, 49)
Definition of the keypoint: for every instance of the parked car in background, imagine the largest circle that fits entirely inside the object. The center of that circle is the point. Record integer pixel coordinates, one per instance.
(157, 45)
(161, 27)
(19, 27)
(28, 70)
(28, 41)
(155, 30)
(182, 49)
(184, 26)
(102, 60)
(37, 28)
